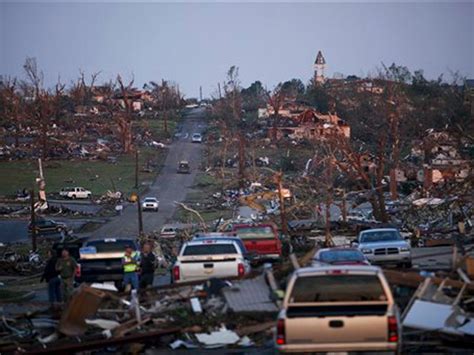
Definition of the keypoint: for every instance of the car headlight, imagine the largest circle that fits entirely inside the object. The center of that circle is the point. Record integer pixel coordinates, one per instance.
(367, 251)
(404, 249)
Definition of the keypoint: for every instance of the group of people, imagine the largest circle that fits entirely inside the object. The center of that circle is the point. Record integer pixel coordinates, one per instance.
(138, 272)
(138, 268)
(59, 274)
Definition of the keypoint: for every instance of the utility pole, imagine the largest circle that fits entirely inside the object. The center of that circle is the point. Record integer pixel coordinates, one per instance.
(136, 168)
(33, 219)
(219, 88)
(284, 224)
(200, 94)
(140, 218)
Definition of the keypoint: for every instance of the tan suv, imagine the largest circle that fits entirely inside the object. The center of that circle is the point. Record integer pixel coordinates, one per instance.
(338, 309)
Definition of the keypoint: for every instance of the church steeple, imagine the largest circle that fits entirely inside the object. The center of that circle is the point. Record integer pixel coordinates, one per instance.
(319, 67)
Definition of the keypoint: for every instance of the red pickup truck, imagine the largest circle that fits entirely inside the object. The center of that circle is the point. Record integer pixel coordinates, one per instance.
(260, 238)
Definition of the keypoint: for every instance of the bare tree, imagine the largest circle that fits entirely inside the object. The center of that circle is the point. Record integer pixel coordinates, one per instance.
(124, 118)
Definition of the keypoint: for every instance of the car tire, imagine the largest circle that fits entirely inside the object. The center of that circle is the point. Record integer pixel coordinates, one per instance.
(73, 197)
(408, 265)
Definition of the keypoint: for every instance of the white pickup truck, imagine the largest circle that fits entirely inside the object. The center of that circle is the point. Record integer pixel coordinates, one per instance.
(205, 259)
(338, 309)
(75, 192)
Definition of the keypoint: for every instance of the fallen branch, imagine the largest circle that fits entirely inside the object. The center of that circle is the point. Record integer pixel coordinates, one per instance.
(189, 209)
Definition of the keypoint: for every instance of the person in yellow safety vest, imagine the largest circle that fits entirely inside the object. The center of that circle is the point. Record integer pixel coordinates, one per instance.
(130, 262)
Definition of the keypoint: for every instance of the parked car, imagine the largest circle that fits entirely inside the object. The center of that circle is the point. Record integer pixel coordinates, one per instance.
(384, 245)
(357, 216)
(261, 239)
(183, 167)
(100, 260)
(205, 259)
(47, 226)
(168, 231)
(75, 192)
(339, 256)
(338, 309)
(196, 138)
(150, 203)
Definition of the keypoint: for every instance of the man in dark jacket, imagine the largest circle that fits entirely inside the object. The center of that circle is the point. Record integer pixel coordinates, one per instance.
(147, 266)
(50, 275)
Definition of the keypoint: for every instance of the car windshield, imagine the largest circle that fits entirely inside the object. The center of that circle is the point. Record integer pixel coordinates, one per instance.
(110, 247)
(334, 256)
(337, 288)
(197, 135)
(210, 249)
(246, 233)
(379, 236)
(150, 200)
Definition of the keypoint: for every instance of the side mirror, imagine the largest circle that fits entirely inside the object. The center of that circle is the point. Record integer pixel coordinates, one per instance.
(354, 244)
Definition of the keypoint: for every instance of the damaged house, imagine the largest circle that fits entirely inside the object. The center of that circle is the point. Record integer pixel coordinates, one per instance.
(301, 122)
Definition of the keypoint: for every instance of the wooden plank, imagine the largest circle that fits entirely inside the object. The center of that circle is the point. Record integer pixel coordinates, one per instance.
(413, 280)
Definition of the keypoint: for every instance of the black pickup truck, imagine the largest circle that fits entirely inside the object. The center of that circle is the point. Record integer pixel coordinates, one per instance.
(100, 260)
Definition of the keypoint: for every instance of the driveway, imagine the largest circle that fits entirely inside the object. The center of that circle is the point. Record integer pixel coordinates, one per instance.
(168, 187)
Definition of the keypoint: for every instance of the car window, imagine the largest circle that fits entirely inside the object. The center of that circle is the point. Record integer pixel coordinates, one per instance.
(380, 236)
(150, 200)
(209, 249)
(332, 256)
(337, 288)
(110, 247)
(246, 233)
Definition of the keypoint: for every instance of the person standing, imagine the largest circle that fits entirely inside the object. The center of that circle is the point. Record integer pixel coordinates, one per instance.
(66, 266)
(147, 266)
(50, 275)
(130, 262)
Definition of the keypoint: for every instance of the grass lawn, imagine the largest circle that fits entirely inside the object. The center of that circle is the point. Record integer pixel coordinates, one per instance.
(97, 176)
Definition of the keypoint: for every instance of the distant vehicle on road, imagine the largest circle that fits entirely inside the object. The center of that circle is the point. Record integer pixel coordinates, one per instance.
(150, 203)
(357, 216)
(47, 226)
(261, 239)
(205, 259)
(75, 192)
(183, 167)
(168, 231)
(339, 256)
(338, 309)
(384, 245)
(196, 138)
(100, 260)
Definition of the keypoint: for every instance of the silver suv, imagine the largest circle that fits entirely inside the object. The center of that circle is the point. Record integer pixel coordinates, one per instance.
(384, 245)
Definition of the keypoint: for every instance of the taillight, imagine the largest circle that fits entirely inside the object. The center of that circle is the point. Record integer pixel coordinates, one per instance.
(176, 273)
(392, 329)
(280, 336)
(78, 270)
(240, 269)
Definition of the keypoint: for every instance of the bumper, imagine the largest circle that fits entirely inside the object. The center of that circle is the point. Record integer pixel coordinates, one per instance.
(149, 208)
(394, 258)
(99, 278)
(337, 347)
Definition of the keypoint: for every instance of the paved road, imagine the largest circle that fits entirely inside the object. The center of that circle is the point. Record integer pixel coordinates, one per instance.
(168, 187)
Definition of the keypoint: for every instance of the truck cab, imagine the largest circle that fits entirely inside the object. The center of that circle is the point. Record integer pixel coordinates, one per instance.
(261, 239)
(209, 258)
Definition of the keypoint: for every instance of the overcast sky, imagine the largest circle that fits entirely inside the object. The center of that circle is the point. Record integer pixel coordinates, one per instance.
(194, 44)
